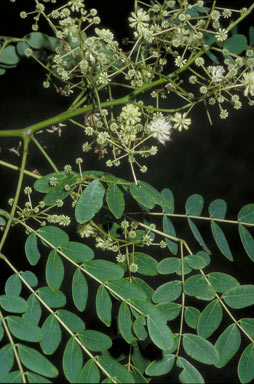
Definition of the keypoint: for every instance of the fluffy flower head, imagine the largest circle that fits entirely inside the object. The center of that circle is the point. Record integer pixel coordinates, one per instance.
(160, 129)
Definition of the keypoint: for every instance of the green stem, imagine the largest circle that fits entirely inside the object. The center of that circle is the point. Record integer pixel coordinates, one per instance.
(36, 142)
(19, 185)
(15, 168)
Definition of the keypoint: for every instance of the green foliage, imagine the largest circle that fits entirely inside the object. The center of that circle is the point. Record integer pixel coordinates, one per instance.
(128, 276)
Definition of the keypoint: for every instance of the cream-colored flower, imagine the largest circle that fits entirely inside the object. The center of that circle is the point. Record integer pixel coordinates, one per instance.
(248, 81)
(160, 129)
(181, 121)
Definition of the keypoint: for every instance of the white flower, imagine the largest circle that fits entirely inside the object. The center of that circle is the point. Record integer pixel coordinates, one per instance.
(181, 121)
(248, 81)
(160, 129)
(217, 73)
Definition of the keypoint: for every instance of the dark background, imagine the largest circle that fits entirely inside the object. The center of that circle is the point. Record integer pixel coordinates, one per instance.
(215, 161)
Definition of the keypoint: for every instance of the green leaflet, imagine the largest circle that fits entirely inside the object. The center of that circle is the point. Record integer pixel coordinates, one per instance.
(141, 284)
(24, 329)
(103, 305)
(54, 270)
(6, 359)
(115, 369)
(35, 361)
(246, 214)
(77, 252)
(79, 290)
(236, 44)
(90, 202)
(169, 229)
(125, 323)
(245, 367)
(52, 335)
(59, 192)
(191, 316)
(42, 185)
(127, 290)
(159, 333)
(194, 205)
(196, 285)
(200, 349)
(53, 235)
(221, 241)
(34, 378)
(169, 265)
(30, 277)
(54, 299)
(168, 292)
(197, 235)
(228, 344)
(196, 261)
(248, 325)
(169, 201)
(239, 297)
(147, 195)
(33, 310)
(12, 377)
(161, 367)
(138, 360)
(146, 264)
(13, 303)
(139, 328)
(31, 249)
(247, 241)
(190, 374)
(9, 56)
(72, 360)
(13, 285)
(73, 321)
(221, 282)
(218, 209)
(169, 310)
(115, 200)
(104, 270)
(209, 319)
(89, 373)
(95, 340)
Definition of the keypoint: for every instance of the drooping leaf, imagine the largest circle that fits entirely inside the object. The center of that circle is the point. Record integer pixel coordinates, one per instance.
(72, 360)
(77, 252)
(218, 209)
(115, 369)
(6, 359)
(13, 285)
(95, 340)
(33, 311)
(79, 290)
(246, 214)
(35, 361)
(245, 367)
(104, 270)
(161, 367)
(103, 305)
(247, 241)
(169, 265)
(54, 299)
(200, 349)
(159, 333)
(31, 249)
(191, 316)
(73, 321)
(236, 44)
(169, 201)
(168, 292)
(13, 303)
(146, 264)
(228, 344)
(30, 278)
(54, 270)
(169, 310)
(198, 235)
(24, 329)
(125, 323)
(169, 229)
(90, 202)
(221, 241)
(115, 200)
(221, 282)
(53, 235)
(52, 335)
(194, 205)
(190, 374)
(209, 319)
(239, 297)
(126, 289)
(89, 373)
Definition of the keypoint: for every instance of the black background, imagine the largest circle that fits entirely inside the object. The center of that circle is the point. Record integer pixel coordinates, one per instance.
(215, 161)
